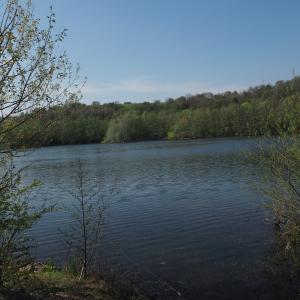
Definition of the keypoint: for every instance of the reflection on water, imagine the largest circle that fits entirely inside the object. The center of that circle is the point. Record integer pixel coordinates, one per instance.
(186, 211)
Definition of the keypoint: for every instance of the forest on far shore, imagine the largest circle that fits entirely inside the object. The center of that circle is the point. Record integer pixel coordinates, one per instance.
(261, 110)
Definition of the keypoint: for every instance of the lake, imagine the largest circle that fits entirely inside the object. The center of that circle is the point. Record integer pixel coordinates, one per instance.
(186, 215)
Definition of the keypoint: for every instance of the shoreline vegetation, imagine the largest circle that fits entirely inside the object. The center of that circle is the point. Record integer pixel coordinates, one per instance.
(48, 281)
(264, 110)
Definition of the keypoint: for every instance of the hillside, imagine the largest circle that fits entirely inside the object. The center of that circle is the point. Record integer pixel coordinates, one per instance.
(265, 109)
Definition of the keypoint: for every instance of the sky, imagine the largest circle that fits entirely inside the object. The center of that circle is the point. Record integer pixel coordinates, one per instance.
(146, 50)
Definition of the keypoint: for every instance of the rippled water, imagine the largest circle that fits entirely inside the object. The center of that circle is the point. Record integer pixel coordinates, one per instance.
(187, 212)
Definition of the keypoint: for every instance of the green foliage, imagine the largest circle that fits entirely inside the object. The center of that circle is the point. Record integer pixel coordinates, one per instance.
(129, 127)
(34, 75)
(16, 216)
(280, 158)
(282, 161)
(48, 266)
(263, 110)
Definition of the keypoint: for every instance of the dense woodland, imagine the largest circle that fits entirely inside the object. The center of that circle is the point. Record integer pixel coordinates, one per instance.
(261, 110)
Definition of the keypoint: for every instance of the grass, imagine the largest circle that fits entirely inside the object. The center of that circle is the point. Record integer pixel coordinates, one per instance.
(59, 283)
(50, 282)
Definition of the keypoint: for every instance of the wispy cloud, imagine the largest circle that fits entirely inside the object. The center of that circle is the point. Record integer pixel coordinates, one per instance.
(140, 85)
(147, 87)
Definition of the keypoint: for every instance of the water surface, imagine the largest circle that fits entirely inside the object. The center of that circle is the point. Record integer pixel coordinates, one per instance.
(186, 212)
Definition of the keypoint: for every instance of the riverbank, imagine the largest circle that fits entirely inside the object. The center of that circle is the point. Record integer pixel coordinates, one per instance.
(51, 282)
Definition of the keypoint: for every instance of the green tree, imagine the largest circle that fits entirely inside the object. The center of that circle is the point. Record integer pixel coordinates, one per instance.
(33, 77)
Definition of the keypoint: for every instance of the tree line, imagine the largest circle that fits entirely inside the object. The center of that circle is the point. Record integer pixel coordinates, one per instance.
(262, 110)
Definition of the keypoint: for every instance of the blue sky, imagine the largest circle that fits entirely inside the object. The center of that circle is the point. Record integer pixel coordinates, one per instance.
(141, 50)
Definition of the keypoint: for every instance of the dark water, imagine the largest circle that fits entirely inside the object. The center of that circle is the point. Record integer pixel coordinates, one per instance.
(187, 214)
